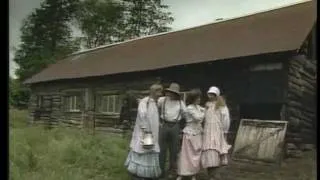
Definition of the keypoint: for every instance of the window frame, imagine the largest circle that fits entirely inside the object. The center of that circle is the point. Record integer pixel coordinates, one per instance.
(69, 93)
(266, 67)
(105, 110)
(69, 105)
(40, 101)
(44, 101)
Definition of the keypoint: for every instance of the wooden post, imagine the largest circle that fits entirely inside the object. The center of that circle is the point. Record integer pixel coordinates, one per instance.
(88, 119)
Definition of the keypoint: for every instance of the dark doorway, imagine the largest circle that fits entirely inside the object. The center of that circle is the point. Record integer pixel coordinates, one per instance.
(263, 111)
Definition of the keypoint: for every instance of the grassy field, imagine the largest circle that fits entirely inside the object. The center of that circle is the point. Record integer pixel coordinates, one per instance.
(72, 154)
(63, 154)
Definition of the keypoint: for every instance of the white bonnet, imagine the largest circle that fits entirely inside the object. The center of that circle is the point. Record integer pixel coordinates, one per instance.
(214, 90)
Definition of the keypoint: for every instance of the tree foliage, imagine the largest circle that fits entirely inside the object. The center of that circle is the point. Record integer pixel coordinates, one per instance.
(46, 34)
(146, 17)
(100, 21)
(45, 37)
(108, 21)
(18, 94)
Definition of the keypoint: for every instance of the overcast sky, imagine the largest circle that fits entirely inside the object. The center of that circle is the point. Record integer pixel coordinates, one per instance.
(187, 13)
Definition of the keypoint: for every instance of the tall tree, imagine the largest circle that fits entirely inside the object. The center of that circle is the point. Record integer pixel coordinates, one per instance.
(146, 17)
(107, 21)
(45, 37)
(100, 21)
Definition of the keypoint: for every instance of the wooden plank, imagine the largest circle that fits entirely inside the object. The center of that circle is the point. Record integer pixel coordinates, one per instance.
(260, 140)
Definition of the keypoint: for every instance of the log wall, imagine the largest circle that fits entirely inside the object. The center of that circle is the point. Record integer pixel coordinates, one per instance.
(301, 101)
(52, 111)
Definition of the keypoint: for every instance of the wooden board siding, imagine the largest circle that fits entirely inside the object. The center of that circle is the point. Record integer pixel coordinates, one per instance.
(301, 101)
(259, 140)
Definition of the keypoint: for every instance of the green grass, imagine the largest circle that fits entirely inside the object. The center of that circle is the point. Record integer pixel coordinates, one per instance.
(63, 154)
(37, 153)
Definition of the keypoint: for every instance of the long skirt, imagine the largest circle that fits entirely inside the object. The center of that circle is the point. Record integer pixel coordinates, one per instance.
(212, 158)
(145, 165)
(190, 154)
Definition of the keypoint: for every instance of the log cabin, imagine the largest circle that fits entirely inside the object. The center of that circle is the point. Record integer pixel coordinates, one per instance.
(264, 63)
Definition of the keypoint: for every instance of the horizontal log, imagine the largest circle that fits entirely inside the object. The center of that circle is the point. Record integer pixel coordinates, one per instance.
(306, 91)
(299, 137)
(55, 120)
(104, 120)
(76, 115)
(103, 115)
(310, 67)
(109, 129)
(309, 79)
(76, 120)
(298, 67)
(294, 140)
(40, 123)
(308, 131)
(70, 125)
(105, 124)
(71, 122)
(44, 117)
(298, 121)
(56, 110)
(307, 102)
(306, 124)
(307, 119)
(299, 106)
(293, 96)
(302, 82)
(299, 113)
(297, 90)
(56, 113)
(56, 96)
(299, 70)
(292, 134)
(309, 114)
(295, 121)
(296, 64)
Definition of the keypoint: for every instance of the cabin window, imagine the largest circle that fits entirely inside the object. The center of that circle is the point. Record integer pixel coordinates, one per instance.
(110, 104)
(266, 67)
(40, 101)
(73, 103)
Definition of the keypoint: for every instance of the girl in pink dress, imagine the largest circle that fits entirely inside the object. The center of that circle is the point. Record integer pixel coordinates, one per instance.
(216, 124)
(190, 154)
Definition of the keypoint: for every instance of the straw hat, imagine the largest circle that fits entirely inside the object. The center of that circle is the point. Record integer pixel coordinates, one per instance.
(174, 87)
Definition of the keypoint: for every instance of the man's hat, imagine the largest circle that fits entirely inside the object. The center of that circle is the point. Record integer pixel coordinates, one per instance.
(174, 87)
